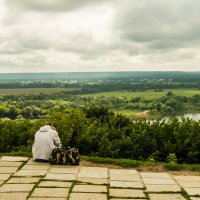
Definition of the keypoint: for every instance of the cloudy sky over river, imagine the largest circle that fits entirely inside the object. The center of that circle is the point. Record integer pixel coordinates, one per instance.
(103, 35)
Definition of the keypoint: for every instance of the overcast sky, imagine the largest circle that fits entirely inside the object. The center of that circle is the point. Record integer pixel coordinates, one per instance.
(99, 35)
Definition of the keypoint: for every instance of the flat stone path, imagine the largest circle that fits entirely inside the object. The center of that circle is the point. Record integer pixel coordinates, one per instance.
(24, 179)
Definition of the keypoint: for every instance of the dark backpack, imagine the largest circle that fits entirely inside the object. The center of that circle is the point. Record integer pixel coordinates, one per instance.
(65, 156)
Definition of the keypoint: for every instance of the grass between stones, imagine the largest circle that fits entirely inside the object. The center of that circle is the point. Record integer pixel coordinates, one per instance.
(147, 195)
(165, 192)
(108, 191)
(35, 186)
(23, 163)
(71, 188)
(185, 194)
(5, 181)
(131, 188)
(88, 183)
(11, 175)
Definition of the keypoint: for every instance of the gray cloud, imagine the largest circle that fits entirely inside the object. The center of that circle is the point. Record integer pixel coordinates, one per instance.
(169, 24)
(50, 5)
(70, 35)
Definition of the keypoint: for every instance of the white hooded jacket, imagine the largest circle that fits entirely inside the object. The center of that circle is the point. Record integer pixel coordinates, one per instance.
(45, 141)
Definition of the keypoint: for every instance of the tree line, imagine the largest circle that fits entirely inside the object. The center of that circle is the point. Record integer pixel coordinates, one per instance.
(39, 106)
(106, 85)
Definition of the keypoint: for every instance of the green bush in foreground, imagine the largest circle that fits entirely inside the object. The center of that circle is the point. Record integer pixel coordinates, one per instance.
(100, 133)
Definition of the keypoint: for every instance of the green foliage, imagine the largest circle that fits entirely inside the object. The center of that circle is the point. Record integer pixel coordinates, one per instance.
(69, 124)
(121, 162)
(151, 159)
(135, 163)
(171, 158)
(17, 135)
(99, 132)
(39, 106)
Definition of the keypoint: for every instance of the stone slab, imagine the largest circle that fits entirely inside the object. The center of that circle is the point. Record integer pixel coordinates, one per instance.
(93, 172)
(87, 196)
(195, 198)
(62, 177)
(125, 177)
(187, 178)
(16, 187)
(166, 197)
(125, 184)
(192, 191)
(4, 177)
(123, 172)
(13, 158)
(192, 184)
(50, 192)
(97, 181)
(32, 162)
(35, 167)
(23, 180)
(55, 184)
(158, 181)
(13, 196)
(8, 170)
(66, 170)
(30, 173)
(90, 188)
(127, 193)
(124, 199)
(35, 198)
(10, 164)
(1, 182)
(163, 188)
(155, 175)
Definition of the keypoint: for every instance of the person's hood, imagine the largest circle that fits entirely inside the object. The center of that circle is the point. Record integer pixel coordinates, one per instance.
(45, 128)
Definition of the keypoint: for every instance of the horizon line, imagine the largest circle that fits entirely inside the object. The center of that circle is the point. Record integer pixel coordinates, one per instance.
(51, 72)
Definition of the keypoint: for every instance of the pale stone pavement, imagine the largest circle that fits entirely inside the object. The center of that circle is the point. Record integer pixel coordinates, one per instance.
(22, 178)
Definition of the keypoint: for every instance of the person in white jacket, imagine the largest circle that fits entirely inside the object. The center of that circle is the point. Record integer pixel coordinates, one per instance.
(46, 139)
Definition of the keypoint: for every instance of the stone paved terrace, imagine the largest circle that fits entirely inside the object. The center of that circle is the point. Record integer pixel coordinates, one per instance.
(22, 178)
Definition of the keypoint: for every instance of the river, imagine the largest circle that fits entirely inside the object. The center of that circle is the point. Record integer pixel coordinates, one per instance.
(195, 116)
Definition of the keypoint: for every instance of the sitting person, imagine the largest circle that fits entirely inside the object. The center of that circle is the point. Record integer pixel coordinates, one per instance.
(46, 139)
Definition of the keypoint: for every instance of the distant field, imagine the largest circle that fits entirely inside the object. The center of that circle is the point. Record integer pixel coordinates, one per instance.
(33, 91)
(134, 115)
(149, 94)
